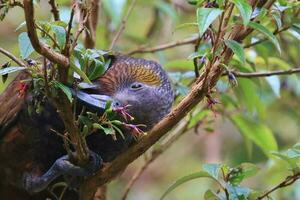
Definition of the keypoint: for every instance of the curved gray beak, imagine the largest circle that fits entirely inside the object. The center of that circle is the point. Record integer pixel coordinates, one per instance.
(92, 101)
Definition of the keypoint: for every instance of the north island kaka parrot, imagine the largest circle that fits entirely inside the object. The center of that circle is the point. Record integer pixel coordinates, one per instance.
(32, 156)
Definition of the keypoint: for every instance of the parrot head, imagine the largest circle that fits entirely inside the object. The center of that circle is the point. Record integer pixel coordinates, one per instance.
(140, 85)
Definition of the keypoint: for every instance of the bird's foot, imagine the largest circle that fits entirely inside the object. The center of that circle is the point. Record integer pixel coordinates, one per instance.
(66, 167)
(62, 166)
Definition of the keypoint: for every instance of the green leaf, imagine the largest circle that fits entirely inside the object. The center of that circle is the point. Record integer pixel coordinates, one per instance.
(9, 70)
(205, 17)
(79, 72)
(239, 173)
(108, 131)
(266, 32)
(237, 49)
(291, 156)
(238, 192)
(212, 169)
(118, 130)
(277, 16)
(65, 89)
(25, 46)
(245, 10)
(201, 174)
(260, 134)
(210, 195)
(198, 117)
(249, 169)
(247, 94)
(60, 35)
(97, 69)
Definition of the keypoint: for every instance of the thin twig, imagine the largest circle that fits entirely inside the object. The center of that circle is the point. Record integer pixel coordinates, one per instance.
(89, 36)
(161, 47)
(122, 26)
(288, 181)
(66, 50)
(196, 60)
(265, 74)
(54, 10)
(80, 30)
(63, 136)
(45, 68)
(11, 56)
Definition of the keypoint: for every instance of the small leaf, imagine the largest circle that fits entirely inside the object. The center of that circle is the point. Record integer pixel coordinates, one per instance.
(198, 117)
(97, 70)
(237, 49)
(267, 33)
(239, 173)
(238, 192)
(212, 169)
(65, 89)
(210, 195)
(108, 131)
(9, 70)
(260, 134)
(25, 46)
(60, 35)
(245, 10)
(201, 174)
(277, 16)
(205, 17)
(79, 72)
(249, 169)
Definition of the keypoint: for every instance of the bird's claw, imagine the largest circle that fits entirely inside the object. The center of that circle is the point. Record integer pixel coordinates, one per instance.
(65, 166)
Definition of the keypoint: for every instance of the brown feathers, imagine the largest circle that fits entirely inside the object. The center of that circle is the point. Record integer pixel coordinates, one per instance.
(11, 100)
(127, 70)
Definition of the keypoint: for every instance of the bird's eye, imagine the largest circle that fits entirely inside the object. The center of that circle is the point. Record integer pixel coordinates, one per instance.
(136, 86)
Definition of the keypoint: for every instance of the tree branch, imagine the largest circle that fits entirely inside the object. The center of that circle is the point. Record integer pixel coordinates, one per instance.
(39, 46)
(161, 47)
(288, 181)
(79, 31)
(122, 26)
(54, 10)
(66, 50)
(11, 56)
(89, 36)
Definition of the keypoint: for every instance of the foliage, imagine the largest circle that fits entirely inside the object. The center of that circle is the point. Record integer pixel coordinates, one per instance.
(264, 111)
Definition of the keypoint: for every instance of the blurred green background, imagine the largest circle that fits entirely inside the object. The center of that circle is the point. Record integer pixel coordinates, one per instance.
(274, 101)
